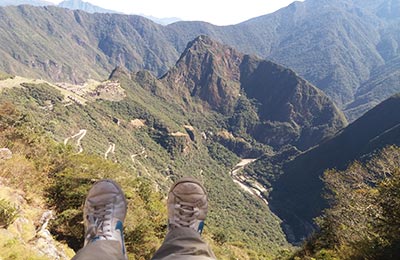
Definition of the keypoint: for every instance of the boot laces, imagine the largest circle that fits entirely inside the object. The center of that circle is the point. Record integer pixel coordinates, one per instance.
(186, 214)
(99, 219)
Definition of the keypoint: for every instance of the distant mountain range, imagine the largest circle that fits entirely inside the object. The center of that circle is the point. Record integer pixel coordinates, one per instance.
(337, 45)
(84, 6)
(347, 48)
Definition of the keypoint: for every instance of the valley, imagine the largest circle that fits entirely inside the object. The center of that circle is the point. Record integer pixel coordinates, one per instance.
(247, 184)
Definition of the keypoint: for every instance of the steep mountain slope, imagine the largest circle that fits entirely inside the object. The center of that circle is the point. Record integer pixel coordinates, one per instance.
(297, 194)
(65, 45)
(384, 80)
(288, 110)
(334, 44)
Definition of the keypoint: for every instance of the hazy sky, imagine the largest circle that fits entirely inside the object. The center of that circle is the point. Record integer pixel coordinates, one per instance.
(218, 12)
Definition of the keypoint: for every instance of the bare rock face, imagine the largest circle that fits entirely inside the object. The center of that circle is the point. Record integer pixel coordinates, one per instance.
(137, 123)
(44, 242)
(5, 154)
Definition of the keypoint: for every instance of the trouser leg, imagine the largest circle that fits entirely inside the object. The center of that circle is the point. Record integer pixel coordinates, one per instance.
(184, 243)
(100, 250)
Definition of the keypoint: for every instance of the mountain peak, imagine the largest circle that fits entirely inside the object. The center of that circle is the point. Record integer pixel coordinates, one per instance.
(210, 70)
(204, 44)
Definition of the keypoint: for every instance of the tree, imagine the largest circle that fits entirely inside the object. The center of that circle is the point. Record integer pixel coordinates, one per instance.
(363, 220)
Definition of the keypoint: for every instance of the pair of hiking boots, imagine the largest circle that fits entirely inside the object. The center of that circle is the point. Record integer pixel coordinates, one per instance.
(106, 206)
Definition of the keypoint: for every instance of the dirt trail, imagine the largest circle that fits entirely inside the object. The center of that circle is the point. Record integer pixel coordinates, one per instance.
(256, 188)
(137, 154)
(133, 156)
(81, 134)
(111, 149)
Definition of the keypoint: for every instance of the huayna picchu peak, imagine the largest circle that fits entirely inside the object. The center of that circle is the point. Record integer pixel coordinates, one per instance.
(290, 110)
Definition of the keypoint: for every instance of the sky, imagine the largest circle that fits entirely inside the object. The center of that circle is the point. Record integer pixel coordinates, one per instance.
(218, 12)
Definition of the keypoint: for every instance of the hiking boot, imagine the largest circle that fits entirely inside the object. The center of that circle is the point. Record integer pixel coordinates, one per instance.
(187, 205)
(104, 213)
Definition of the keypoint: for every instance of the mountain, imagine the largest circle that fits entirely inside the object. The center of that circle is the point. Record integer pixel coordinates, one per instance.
(84, 6)
(66, 45)
(137, 120)
(164, 128)
(337, 45)
(383, 80)
(150, 145)
(80, 45)
(24, 2)
(296, 197)
(288, 109)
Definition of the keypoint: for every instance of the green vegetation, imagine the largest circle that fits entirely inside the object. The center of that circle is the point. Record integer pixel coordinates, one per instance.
(62, 177)
(55, 173)
(245, 117)
(298, 191)
(8, 213)
(363, 219)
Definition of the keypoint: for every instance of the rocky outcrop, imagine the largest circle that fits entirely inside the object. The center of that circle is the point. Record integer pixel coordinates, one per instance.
(28, 232)
(137, 123)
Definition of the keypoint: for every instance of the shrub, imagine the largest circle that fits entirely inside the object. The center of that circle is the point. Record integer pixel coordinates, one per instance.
(8, 213)
(363, 220)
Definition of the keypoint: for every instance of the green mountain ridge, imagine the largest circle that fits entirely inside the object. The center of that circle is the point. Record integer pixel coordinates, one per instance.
(77, 45)
(159, 151)
(296, 197)
(383, 80)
